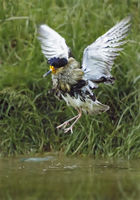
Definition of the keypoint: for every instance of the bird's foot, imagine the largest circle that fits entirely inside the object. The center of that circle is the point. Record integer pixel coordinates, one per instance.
(77, 117)
(63, 125)
(66, 123)
(68, 129)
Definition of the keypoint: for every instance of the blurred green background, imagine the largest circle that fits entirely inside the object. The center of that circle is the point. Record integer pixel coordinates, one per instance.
(29, 114)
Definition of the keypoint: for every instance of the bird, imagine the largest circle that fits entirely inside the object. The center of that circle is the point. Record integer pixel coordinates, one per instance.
(75, 83)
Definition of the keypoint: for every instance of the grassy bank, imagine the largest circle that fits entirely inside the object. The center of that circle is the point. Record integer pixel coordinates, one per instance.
(29, 114)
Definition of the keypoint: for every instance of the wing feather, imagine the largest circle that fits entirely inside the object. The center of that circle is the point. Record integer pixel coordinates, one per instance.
(52, 44)
(98, 58)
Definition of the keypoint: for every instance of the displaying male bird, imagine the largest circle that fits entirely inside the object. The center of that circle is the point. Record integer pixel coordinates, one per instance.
(76, 83)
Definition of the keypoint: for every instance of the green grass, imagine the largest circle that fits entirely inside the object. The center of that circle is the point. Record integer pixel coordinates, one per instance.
(29, 114)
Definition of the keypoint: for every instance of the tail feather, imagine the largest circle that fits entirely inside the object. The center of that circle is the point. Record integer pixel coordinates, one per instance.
(98, 108)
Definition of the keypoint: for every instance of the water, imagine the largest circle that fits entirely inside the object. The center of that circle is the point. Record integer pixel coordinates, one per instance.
(59, 177)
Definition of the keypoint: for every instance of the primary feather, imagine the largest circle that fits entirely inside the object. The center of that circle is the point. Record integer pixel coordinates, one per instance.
(53, 45)
(98, 58)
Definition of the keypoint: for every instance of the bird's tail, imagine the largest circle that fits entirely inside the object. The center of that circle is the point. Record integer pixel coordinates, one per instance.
(98, 107)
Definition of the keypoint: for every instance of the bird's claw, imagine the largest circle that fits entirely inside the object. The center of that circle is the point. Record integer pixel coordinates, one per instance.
(65, 124)
(68, 129)
(62, 125)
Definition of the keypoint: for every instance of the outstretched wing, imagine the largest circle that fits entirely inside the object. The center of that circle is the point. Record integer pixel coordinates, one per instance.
(98, 58)
(52, 44)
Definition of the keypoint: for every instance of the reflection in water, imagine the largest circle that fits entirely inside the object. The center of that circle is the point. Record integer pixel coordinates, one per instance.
(59, 177)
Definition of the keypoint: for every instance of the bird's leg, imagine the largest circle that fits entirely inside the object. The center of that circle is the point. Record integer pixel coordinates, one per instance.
(66, 122)
(71, 127)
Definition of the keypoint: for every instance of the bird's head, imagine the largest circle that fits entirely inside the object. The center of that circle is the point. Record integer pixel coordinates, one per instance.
(55, 64)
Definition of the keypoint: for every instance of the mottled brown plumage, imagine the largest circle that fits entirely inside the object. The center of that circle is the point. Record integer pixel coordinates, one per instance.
(67, 76)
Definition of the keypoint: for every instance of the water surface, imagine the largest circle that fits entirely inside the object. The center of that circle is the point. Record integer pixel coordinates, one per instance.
(59, 177)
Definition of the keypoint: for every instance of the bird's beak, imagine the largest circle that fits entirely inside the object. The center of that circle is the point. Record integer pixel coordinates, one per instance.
(47, 73)
(52, 70)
